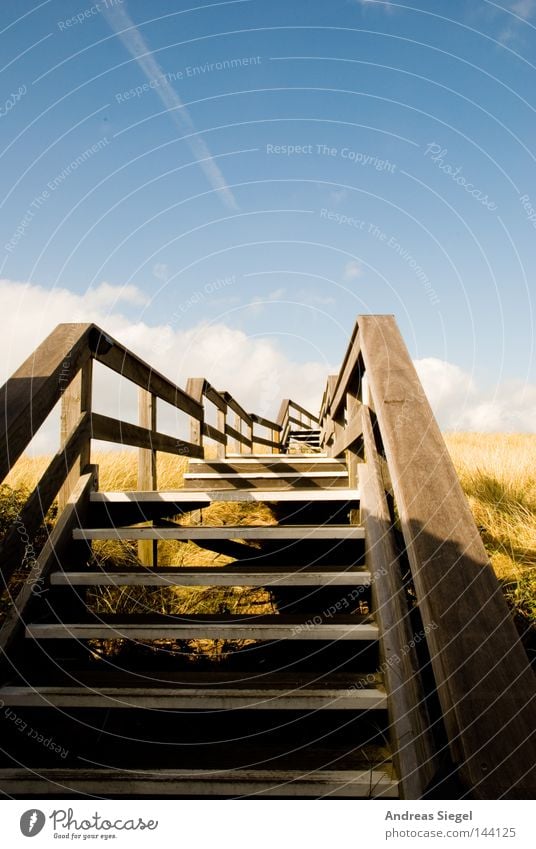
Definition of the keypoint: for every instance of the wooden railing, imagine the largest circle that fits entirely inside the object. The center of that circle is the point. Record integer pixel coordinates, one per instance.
(375, 414)
(375, 411)
(61, 368)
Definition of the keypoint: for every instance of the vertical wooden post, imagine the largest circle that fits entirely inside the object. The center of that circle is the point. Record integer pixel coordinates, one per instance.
(238, 427)
(75, 400)
(249, 435)
(221, 420)
(353, 410)
(147, 478)
(276, 437)
(195, 387)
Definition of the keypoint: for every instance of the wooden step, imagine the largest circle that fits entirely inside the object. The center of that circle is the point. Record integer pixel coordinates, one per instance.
(104, 783)
(307, 533)
(282, 466)
(184, 497)
(214, 627)
(308, 482)
(184, 576)
(302, 458)
(264, 475)
(189, 698)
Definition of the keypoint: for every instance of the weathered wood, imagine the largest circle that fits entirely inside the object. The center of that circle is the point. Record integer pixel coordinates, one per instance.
(147, 472)
(126, 433)
(485, 686)
(233, 405)
(75, 401)
(177, 698)
(261, 440)
(195, 532)
(31, 393)
(184, 497)
(119, 359)
(347, 437)
(352, 784)
(49, 557)
(214, 397)
(245, 627)
(263, 422)
(195, 387)
(411, 734)
(221, 420)
(349, 372)
(182, 576)
(213, 433)
(18, 541)
(304, 412)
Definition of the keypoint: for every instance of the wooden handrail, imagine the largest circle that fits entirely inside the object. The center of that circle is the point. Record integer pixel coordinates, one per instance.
(28, 397)
(485, 687)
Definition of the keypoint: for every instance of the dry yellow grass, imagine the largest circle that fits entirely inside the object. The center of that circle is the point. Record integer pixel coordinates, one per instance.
(497, 472)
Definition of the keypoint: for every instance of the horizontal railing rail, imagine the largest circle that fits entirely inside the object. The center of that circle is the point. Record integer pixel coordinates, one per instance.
(61, 369)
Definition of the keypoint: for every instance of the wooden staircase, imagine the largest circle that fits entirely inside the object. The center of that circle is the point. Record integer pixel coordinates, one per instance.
(325, 683)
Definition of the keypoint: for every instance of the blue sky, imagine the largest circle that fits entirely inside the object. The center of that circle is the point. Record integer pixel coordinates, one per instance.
(263, 172)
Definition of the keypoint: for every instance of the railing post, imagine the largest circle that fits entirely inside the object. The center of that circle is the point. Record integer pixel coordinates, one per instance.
(276, 437)
(221, 421)
(249, 435)
(353, 406)
(195, 387)
(147, 478)
(75, 400)
(238, 427)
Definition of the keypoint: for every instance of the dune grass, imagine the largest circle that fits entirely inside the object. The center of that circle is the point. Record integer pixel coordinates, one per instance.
(497, 473)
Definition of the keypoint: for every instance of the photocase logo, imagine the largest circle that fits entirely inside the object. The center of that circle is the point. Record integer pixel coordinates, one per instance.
(32, 822)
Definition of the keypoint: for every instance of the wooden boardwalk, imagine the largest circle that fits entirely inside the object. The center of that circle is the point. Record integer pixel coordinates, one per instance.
(388, 666)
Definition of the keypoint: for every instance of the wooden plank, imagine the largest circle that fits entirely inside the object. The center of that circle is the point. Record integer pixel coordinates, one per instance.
(18, 539)
(48, 558)
(31, 393)
(196, 532)
(236, 435)
(485, 686)
(103, 783)
(412, 741)
(303, 411)
(214, 397)
(185, 497)
(195, 387)
(285, 465)
(261, 475)
(264, 422)
(75, 401)
(133, 368)
(247, 627)
(147, 478)
(181, 576)
(212, 432)
(347, 438)
(126, 433)
(233, 404)
(177, 698)
(261, 440)
(349, 372)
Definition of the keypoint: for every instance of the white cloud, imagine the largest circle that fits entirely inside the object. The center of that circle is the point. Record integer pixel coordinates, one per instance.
(460, 405)
(255, 370)
(351, 271)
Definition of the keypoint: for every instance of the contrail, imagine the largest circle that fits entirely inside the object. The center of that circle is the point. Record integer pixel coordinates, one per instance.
(122, 23)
